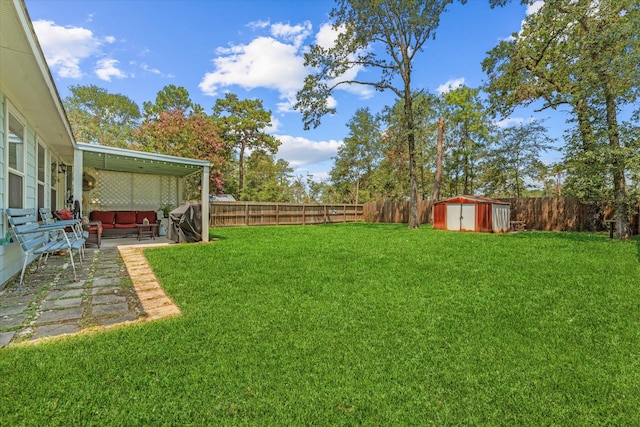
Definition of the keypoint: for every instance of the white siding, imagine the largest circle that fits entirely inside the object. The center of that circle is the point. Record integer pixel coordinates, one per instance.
(11, 255)
(3, 169)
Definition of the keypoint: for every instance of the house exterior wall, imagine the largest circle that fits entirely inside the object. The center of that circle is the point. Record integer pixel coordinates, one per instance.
(11, 254)
(3, 169)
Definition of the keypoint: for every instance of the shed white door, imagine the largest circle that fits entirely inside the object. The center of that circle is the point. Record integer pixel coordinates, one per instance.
(461, 216)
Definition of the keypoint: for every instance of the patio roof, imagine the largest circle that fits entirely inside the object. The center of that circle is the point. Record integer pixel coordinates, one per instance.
(124, 160)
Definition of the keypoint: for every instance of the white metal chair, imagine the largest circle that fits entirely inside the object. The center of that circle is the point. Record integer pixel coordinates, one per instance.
(41, 239)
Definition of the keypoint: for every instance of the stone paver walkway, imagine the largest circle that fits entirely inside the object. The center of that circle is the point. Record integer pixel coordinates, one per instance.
(115, 286)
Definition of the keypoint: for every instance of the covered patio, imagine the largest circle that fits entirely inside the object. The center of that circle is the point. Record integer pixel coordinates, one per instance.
(111, 178)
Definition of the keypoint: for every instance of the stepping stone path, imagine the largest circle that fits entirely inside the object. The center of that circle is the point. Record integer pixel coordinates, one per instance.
(115, 286)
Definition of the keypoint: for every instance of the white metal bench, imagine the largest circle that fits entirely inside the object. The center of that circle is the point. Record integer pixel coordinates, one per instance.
(41, 240)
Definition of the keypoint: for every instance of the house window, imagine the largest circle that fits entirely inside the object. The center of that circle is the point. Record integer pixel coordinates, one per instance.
(16, 194)
(16, 162)
(16, 144)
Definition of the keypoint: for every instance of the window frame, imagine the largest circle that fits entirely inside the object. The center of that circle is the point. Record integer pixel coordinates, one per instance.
(13, 172)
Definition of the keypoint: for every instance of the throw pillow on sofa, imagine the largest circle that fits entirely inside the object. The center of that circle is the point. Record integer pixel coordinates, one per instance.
(150, 215)
(125, 219)
(105, 217)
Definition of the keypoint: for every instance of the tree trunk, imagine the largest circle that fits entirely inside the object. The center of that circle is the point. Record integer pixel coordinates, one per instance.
(438, 177)
(241, 168)
(623, 229)
(414, 220)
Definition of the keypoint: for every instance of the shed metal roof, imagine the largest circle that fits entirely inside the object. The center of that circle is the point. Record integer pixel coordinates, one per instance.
(472, 199)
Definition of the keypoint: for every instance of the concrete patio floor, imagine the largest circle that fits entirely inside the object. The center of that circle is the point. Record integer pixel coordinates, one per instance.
(115, 286)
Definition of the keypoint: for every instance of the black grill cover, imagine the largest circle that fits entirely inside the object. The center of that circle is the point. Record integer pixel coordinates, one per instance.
(185, 223)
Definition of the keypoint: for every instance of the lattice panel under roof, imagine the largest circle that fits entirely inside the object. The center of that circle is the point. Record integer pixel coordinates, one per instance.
(125, 191)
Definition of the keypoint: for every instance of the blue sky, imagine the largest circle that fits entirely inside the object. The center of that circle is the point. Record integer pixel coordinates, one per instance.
(254, 49)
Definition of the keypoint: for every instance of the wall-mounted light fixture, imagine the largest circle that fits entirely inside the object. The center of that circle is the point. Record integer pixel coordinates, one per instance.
(62, 168)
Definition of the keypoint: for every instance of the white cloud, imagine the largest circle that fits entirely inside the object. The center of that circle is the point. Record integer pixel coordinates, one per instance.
(256, 25)
(110, 39)
(274, 62)
(534, 7)
(450, 85)
(265, 62)
(511, 121)
(152, 70)
(299, 151)
(275, 126)
(108, 68)
(292, 33)
(65, 47)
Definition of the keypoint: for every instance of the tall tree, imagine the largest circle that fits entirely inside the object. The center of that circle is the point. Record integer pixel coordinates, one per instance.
(243, 123)
(358, 155)
(514, 161)
(177, 134)
(467, 133)
(585, 54)
(267, 180)
(427, 107)
(382, 35)
(101, 117)
(170, 98)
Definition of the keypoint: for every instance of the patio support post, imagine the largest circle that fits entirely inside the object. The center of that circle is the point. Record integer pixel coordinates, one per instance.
(76, 189)
(205, 203)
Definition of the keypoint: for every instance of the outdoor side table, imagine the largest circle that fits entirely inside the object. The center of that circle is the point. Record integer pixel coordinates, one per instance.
(147, 230)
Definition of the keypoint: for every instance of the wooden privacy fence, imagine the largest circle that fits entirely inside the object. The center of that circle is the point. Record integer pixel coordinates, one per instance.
(538, 213)
(550, 213)
(396, 212)
(224, 214)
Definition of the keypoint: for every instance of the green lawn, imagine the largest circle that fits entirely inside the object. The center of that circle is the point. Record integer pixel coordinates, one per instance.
(358, 324)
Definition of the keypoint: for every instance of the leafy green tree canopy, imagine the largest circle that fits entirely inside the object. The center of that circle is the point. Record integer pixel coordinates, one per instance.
(242, 124)
(170, 98)
(101, 117)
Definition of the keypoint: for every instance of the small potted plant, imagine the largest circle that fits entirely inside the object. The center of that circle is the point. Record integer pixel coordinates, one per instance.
(166, 210)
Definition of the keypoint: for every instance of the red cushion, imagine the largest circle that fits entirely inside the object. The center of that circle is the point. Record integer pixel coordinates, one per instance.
(132, 225)
(106, 217)
(141, 215)
(125, 217)
(65, 214)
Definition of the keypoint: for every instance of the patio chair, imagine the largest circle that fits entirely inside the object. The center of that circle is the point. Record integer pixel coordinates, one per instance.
(41, 239)
(72, 226)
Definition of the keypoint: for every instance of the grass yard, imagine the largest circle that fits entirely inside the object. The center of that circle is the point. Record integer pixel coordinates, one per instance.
(358, 324)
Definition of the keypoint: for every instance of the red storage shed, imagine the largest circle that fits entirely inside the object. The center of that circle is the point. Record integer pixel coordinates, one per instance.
(472, 213)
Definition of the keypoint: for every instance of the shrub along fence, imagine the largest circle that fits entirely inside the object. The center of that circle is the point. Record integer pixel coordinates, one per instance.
(538, 213)
(224, 214)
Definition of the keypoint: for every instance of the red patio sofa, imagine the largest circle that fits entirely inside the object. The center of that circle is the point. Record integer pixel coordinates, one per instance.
(122, 223)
